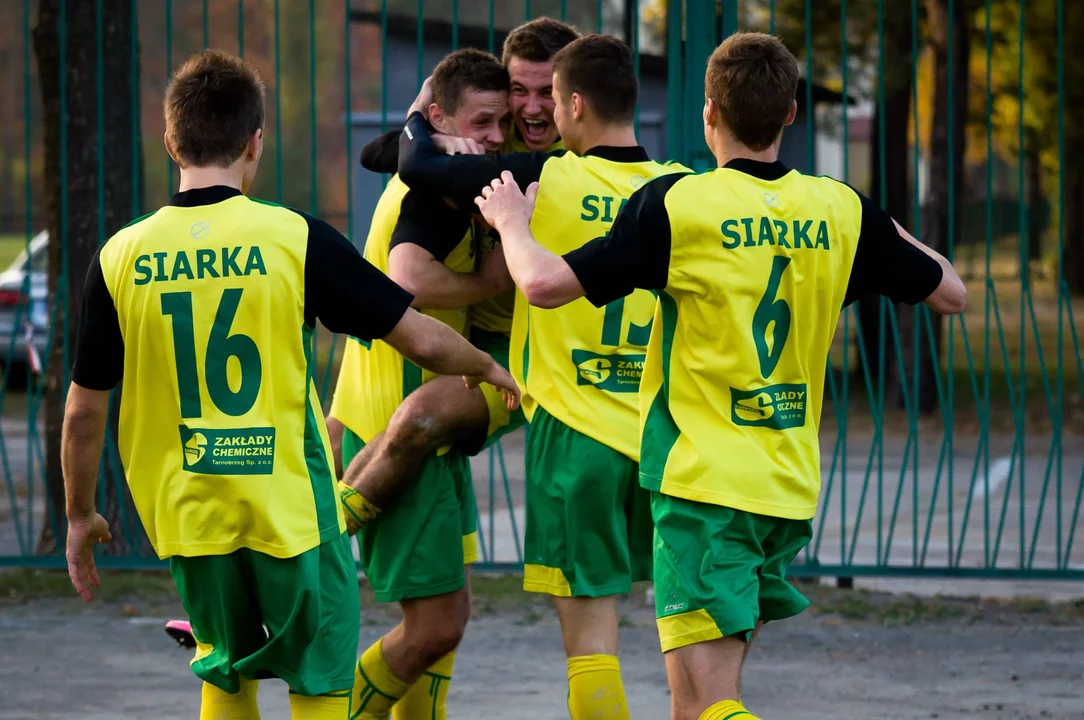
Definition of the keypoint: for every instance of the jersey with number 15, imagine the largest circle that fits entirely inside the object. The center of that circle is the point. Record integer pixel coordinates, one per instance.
(206, 310)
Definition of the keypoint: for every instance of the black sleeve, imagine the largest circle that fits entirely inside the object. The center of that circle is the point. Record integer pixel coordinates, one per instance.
(345, 292)
(635, 253)
(382, 154)
(429, 222)
(887, 264)
(99, 350)
(424, 166)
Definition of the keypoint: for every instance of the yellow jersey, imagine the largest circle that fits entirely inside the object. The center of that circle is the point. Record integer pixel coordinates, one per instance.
(582, 364)
(752, 264)
(206, 310)
(495, 315)
(374, 378)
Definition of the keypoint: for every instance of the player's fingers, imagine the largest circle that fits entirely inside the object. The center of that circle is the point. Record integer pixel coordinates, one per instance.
(474, 147)
(532, 191)
(508, 177)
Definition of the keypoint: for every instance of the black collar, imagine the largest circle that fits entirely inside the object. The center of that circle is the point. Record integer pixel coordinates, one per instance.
(758, 169)
(619, 154)
(204, 196)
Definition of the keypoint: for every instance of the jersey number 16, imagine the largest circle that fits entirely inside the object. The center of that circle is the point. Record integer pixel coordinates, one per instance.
(221, 346)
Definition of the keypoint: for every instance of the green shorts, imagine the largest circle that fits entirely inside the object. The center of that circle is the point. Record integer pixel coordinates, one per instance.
(308, 603)
(718, 570)
(501, 420)
(588, 520)
(417, 547)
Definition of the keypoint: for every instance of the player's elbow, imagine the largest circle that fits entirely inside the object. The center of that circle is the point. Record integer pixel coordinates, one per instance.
(950, 298)
(542, 292)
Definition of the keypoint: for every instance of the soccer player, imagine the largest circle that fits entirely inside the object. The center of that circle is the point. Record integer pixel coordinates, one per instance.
(442, 413)
(588, 525)
(205, 310)
(418, 552)
(753, 263)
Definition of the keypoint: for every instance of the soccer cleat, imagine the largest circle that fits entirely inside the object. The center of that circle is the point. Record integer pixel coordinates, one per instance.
(181, 631)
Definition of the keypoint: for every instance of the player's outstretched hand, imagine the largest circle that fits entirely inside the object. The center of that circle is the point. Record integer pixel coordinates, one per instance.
(452, 145)
(82, 535)
(503, 205)
(499, 378)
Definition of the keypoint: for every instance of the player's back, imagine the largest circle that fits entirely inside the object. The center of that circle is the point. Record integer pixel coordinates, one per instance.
(220, 426)
(374, 378)
(582, 363)
(759, 268)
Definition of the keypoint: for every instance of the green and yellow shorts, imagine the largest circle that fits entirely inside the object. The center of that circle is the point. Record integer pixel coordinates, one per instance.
(588, 520)
(718, 571)
(417, 547)
(501, 420)
(309, 604)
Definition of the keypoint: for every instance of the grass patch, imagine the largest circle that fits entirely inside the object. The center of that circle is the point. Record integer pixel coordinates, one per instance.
(888, 609)
(10, 247)
(22, 587)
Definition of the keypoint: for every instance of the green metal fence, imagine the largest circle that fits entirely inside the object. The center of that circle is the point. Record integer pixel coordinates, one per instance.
(949, 447)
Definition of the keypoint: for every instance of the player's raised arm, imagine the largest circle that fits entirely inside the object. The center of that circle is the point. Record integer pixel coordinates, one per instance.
(350, 296)
(425, 166)
(889, 261)
(635, 253)
(427, 231)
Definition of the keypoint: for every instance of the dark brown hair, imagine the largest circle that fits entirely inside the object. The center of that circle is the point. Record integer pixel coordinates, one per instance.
(463, 70)
(538, 40)
(600, 68)
(213, 105)
(753, 79)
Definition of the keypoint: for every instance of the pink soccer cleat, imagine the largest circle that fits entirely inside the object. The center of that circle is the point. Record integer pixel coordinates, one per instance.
(181, 631)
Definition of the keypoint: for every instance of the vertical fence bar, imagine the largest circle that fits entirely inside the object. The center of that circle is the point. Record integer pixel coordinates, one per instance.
(951, 364)
(1058, 273)
(383, 65)
(455, 24)
(675, 110)
(989, 208)
(491, 40)
(314, 197)
(809, 140)
(169, 72)
(598, 20)
(634, 25)
(1024, 284)
(771, 17)
(278, 106)
(206, 27)
(846, 317)
(882, 303)
(62, 284)
(28, 204)
(134, 109)
(241, 27)
(917, 318)
(419, 39)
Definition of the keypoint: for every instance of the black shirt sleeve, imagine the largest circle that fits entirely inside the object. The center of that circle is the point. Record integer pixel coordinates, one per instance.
(424, 166)
(887, 264)
(635, 253)
(99, 350)
(429, 222)
(382, 154)
(346, 293)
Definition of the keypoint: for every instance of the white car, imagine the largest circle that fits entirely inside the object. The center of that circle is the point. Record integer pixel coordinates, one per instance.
(24, 306)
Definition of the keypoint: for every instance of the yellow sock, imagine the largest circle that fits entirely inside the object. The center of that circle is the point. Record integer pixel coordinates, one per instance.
(220, 705)
(727, 709)
(333, 706)
(376, 687)
(595, 689)
(356, 508)
(428, 697)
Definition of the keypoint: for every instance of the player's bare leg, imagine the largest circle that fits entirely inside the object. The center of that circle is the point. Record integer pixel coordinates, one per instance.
(745, 654)
(589, 631)
(431, 628)
(703, 675)
(441, 412)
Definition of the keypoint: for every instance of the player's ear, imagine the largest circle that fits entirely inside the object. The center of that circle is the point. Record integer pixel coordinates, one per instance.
(792, 114)
(255, 146)
(436, 117)
(711, 113)
(577, 106)
(170, 150)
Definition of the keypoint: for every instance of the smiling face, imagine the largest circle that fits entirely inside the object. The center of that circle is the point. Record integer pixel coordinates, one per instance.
(482, 116)
(531, 102)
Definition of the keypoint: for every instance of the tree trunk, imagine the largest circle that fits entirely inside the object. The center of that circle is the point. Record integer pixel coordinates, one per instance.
(937, 220)
(1035, 201)
(77, 224)
(897, 195)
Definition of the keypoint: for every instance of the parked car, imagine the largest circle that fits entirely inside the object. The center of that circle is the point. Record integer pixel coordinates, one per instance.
(31, 308)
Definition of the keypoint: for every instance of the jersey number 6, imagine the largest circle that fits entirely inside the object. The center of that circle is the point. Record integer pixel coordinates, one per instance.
(772, 310)
(221, 346)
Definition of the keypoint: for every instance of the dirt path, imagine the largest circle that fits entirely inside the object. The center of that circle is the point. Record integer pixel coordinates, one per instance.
(857, 655)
